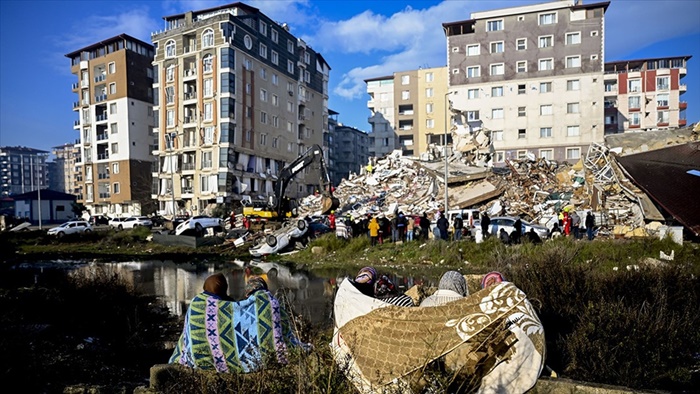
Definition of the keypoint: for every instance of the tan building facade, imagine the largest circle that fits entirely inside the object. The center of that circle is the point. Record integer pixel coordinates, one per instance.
(237, 97)
(645, 94)
(64, 177)
(115, 122)
(532, 76)
(407, 111)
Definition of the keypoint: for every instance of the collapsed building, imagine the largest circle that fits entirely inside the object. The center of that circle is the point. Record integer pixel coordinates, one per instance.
(636, 184)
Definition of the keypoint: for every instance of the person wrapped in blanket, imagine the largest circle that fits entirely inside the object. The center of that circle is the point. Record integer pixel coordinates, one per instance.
(381, 287)
(235, 336)
(452, 287)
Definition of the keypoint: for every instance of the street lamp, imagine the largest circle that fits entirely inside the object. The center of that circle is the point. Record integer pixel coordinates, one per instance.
(448, 105)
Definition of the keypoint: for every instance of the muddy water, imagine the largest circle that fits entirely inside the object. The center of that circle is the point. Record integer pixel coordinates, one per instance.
(176, 284)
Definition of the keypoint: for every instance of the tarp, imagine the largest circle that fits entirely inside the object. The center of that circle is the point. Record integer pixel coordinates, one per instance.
(492, 337)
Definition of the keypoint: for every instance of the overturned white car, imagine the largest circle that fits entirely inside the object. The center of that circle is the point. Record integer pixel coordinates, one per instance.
(198, 225)
(279, 239)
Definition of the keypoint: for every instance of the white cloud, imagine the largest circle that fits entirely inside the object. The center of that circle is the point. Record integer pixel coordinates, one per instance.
(631, 25)
(135, 22)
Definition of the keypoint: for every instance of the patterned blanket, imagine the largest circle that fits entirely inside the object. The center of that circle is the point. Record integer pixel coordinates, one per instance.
(492, 338)
(232, 336)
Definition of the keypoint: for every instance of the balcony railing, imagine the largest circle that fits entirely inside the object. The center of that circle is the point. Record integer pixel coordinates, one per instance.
(187, 190)
(190, 48)
(76, 104)
(100, 118)
(102, 137)
(104, 195)
(76, 123)
(102, 156)
(191, 72)
(75, 85)
(206, 164)
(188, 166)
(100, 98)
(190, 95)
(683, 105)
(103, 175)
(100, 78)
(189, 119)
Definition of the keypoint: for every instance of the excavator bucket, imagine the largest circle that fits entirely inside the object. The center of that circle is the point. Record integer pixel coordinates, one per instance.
(329, 204)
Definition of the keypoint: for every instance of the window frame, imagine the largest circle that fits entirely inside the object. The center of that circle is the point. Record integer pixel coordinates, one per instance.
(473, 46)
(573, 131)
(497, 89)
(541, 14)
(208, 63)
(502, 67)
(572, 34)
(517, 44)
(575, 105)
(478, 71)
(170, 49)
(499, 45)
(571, 157)
(549, 60)
(549, 39)
(208, 35)
(546, 132)
(518, 68)
(543, 110)
(500, 24)
(572, 58)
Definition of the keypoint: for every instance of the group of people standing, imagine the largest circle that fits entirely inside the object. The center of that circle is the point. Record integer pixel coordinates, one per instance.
(570, 224)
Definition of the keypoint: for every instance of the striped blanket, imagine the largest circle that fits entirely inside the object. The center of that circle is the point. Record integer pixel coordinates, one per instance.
(492, 338)
(229, 336)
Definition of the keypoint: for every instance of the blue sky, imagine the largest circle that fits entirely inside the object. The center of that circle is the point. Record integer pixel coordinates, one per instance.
(359, 39)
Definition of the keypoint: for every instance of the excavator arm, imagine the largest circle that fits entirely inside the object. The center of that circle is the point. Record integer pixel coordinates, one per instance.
(312, 155)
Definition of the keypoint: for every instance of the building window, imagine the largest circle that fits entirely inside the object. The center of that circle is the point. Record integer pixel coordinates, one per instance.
(206, 159)
(429, 77)
(113, 108)
(115, 168)
(169, 94)
(405, 79)
(497, 47)
(290, 126)
(522, 134)
(263, 51)
(429, 108)
(275, 79)
(497, 113)
(274, 57)
(573, 85)
(274, 35)
(208, 87)
(500, 156)
(548, 18)
(430, 123)
(115, 188)
(307, 76)
(546, 41)
(290, 66)
(497, 69)
(263, 117)
(545, 87)
(521, 66)
(208, 113)
(634, 119)
(472, 115)
(546, 109)
(495, 25)
(572, 108)
(662, 100)
(472, 94)
(547, 154)
(170, 118)
(497, 135)
(573, 38)
(473, 72)
(247, 64)
(275, 100)
(307, 58)
(573, 153)
(497, 91)
(290, 46)
(634, 102)
(545, 132)
(521, 44)
(263, 95)
(429, 92)
(573, 61)
(276, 122)
(473, 50)
(634, 85)
(263, 139)
(208, 63)
(209, 135)
(114, 148)
(290, 107)
(521, 111)
(112, 68)
(263, 28)
(208, 38)
(405, 95)
(662, 83)
(522, 89)
(113, 128)
(573, 131)
(610, 119)
(662, 117)
(112, 88)
(170, 49)
(546, 64)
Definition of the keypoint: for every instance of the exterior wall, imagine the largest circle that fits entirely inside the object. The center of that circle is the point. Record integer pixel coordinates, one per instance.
(56, 211)
(63, 178)
(645, 94)
(115, 123)
(424, 133)
(351, 148)
(529, 109)
(382, 139)
(22, 170)
(262, 115)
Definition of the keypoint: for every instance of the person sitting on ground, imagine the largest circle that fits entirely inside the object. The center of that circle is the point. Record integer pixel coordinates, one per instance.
(492, 278)
(229, 336)
(531, 236)
(504, 237)
(364, 281)
(452, 287)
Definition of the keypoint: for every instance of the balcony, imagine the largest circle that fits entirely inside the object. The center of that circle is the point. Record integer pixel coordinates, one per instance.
(102, 137)
(100, 98)
(100, 78)
(84, 84)
(682, 122)
(101, 118)
(206, 165)
(187, 190)
(683, 105)
(191, 72)
(76, 104)
(190, 95)
(189, 119)
(103, 156)
(190, 48)
(188, 166)
(85, 102)
(104, 195)
(682, 87)
(75, 85)
(103, 175)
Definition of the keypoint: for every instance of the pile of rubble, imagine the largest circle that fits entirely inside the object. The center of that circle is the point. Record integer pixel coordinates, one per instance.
(533, 188)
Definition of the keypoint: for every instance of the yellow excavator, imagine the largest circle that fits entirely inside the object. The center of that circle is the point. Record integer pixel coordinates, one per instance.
(280, 206)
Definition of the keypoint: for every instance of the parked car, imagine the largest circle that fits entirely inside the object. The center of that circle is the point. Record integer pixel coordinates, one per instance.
(198, 225)
(158, 220)
(71, 227)
(280, 239)
(115, 222)
(99, 219)
(135, 221)
(282, 275)
(508, 223)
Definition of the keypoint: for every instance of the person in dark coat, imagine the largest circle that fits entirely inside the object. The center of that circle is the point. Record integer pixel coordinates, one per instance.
(458, 225)
(517, 232)
(531, 236)
(485, 223)
(424, 226)
(442, 224)
(401, 226)
(504, 237)
(590, 224)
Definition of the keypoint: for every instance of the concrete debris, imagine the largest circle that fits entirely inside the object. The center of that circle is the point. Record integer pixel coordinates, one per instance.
(534, 188)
